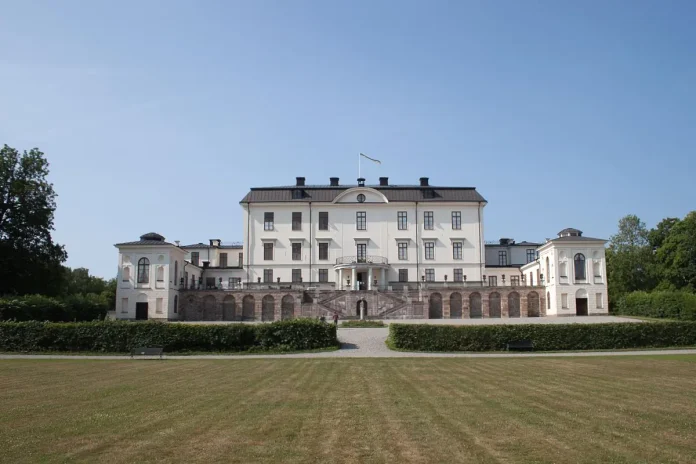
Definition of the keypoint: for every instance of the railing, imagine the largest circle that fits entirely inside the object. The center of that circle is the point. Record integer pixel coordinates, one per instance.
(361, 260)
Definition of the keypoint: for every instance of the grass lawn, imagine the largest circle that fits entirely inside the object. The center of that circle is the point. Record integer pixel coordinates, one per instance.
(622, 409)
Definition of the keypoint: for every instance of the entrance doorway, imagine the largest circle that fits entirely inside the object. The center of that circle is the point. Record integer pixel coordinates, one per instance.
(141, 311)
(581, 306)
(361, 281)
(357, 307)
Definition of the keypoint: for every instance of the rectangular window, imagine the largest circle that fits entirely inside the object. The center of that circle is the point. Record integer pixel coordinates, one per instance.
(268, 251)
(493, 281)
(186, 281)
(428, 220)
(402, 220)
(457, 250)
(361, 249)
(361, 220)
(234, 282)
(124, 305)
(296, 251)
(515, 281)
(458, 275)
(323, 275)
(158, 305)
(241, 259)
(502, 258)
(267, 221)
(456, 220)
(323, 251)
(564, 301)
(429, 250)
(323, 220)
(223, 259)
(599, 301)
(210, 282)
(531, 255)
(430, 275)
(403, 250)
(296, 221)
(194, 258)
(403, 275)
(268, 276)
(296, 276)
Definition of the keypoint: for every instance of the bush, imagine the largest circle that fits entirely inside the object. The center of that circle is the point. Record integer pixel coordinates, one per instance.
(78, 307)
(122, 336)
(663, 304)
(546, 337)
(367, 324)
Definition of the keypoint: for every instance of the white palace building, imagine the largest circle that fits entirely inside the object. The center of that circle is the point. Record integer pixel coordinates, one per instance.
(397, 251)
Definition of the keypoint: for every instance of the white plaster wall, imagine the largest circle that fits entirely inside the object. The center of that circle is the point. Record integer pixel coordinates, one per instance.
(381, 237)
(159, 256)
(557, 285)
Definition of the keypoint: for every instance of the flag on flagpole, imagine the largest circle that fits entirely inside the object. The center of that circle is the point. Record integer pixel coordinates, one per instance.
(371, 159)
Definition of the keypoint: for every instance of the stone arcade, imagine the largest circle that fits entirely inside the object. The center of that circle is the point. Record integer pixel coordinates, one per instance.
(402, 251)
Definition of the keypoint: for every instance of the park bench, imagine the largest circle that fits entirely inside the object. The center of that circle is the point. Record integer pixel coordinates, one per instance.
(520, 345)
(147, 351)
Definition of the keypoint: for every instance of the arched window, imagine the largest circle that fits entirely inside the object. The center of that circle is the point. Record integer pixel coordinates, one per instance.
(144, 271)
(176, 273)
(580, 266)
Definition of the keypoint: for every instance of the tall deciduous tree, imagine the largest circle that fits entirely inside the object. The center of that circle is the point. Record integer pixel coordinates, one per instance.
(630, 260)
(29, 260)
(676, 254)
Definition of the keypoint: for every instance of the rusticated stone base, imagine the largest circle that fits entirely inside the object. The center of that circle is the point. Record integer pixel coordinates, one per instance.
(274, 305)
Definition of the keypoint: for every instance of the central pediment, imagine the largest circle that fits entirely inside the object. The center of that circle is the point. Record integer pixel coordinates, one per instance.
(357, 195)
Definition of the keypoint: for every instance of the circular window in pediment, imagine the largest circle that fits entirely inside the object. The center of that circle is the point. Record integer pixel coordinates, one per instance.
(361, 198)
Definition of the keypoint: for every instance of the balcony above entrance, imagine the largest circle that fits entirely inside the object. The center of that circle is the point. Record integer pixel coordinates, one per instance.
(361, 261)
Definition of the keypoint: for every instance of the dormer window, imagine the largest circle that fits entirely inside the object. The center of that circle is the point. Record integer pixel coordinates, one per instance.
(297, 194)
(428, 193)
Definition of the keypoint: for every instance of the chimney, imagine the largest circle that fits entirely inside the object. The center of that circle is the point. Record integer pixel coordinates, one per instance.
(361, 181)
(215, 242)
(424, 181)
(206, 264)
(177, 242)
(333, 181)
(300, 181)
(383, 181)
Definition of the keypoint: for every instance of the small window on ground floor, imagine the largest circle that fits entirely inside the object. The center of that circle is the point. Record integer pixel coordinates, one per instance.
(458, 275)
(268, 276)
(430, 275)
(564, 300)
(600, 304)
(403, 275)
(296, 276)
(323, 275)
(493, 281)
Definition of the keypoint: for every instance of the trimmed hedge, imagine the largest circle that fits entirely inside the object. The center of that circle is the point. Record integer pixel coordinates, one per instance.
(122, 336)
(666, 304)
(363, 324)
(546, 337)
(78, 307)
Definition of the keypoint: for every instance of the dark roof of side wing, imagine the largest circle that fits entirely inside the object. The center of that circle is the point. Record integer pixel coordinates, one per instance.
(327, 194)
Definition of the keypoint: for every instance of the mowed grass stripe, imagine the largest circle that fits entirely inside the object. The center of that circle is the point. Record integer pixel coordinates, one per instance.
(377, 410)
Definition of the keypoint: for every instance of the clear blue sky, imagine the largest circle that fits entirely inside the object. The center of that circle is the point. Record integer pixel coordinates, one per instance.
(159, 115)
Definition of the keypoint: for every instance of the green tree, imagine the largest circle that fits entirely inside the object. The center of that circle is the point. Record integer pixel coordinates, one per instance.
(676, 254)
(29, 260)
(78, 280)
(630, 259)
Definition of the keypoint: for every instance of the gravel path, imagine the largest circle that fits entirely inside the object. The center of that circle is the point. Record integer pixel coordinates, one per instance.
(369, 343)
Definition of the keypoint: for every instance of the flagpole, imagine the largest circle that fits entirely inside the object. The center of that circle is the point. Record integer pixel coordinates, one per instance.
(359, 165)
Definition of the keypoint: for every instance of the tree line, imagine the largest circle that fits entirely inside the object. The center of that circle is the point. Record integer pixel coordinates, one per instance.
(31, 263)
(661, 259)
